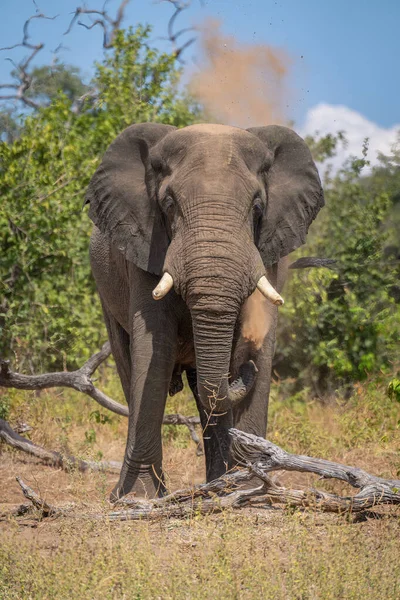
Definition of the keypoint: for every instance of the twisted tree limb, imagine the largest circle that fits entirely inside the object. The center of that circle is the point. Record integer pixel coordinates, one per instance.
(50, 457)
(151, 510)
(213, 497)
(226, 484)
(109, 25)
(17, 90)
(173, 35)
(262, 457)
(81, 381)
(22, 74)
(37, 501)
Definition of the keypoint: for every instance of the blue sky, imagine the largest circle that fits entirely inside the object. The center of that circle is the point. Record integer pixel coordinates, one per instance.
(343, 52)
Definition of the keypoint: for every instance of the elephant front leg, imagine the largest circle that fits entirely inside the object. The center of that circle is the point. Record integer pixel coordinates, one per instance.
(153, 347)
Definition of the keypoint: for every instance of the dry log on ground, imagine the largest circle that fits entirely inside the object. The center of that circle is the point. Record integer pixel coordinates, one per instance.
(50, 457)
(262, 457)
(152, 510)
(202, 499)
(259, 457)
(37, 501)
(226, 484)
(81, 381)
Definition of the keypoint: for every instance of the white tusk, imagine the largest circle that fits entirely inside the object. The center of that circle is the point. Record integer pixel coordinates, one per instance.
(166, 283)
(268, 291)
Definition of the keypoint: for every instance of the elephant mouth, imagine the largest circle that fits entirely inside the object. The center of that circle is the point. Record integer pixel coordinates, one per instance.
(242, 385)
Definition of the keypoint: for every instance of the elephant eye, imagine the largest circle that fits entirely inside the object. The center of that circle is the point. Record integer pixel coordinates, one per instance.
(257, 207)
(257, 218)
(168, 206)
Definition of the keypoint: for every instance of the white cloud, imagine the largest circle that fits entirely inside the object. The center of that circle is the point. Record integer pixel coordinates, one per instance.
(328, 118)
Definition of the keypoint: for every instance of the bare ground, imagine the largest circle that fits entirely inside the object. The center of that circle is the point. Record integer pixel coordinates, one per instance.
(276, 553)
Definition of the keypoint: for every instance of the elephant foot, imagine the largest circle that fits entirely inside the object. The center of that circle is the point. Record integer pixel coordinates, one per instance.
(144, 481)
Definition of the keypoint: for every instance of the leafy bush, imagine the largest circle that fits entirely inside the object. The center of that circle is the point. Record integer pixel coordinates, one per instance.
(339, 325)
(49, 312)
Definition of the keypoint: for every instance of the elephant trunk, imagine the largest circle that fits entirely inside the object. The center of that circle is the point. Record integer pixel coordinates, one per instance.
(218, 274)
(213, 338)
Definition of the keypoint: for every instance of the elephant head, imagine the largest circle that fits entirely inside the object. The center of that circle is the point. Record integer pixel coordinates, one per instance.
(211, 209)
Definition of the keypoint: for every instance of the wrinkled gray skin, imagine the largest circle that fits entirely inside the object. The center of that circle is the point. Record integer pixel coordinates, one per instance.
(217, 207)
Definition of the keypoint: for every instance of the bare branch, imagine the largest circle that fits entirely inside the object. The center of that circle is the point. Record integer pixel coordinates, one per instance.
(37, 501)
(310, 261)
(210, 504)
(174, 35)
(190, 423)
(26, 37)
(249, 448)
(81, 381)
(78, 380)
(262, 457)
(50, 457)
(110, 26)
(23, 76)
(225, 484)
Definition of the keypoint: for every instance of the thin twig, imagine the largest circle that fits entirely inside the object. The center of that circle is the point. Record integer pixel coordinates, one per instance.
(173, 35)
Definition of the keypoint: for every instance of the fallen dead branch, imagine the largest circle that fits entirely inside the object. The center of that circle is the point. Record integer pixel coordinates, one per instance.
(203, 499)
(262, 456)
(81, 381)
(50, 457)
(37, 501)
(259, 457)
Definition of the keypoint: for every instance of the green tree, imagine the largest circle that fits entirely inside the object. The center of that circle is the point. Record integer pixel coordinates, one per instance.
(47, 83)
(340, 325)
(49, 312)
(49, 80)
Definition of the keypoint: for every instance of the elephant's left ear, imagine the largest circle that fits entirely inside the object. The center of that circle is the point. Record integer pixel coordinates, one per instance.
(122, 201)
(294, 193)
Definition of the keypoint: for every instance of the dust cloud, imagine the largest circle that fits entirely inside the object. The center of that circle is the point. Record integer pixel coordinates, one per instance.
(256, 318)
(241, 85)
(245, 86)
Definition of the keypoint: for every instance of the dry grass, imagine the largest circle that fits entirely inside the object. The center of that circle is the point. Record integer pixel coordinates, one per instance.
(251, 553)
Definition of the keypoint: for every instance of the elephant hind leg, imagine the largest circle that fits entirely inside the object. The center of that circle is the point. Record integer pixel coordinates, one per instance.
(120, 344)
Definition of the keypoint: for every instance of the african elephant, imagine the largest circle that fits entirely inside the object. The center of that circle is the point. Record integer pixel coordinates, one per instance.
(214, 210)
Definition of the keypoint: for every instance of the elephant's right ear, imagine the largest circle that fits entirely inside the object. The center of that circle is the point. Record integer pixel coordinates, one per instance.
(120, 203)
(294, 193)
